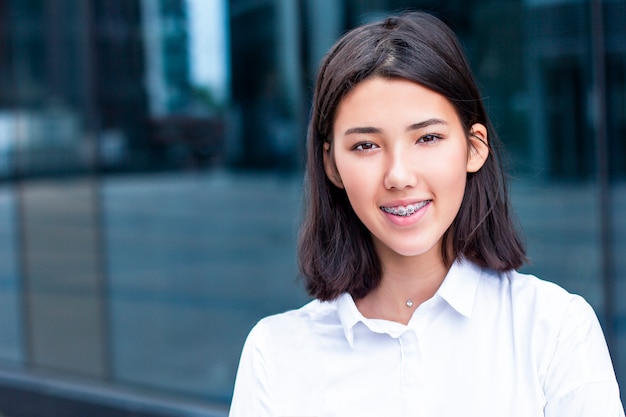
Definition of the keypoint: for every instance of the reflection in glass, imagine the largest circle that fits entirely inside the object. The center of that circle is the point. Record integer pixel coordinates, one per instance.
(151, 168)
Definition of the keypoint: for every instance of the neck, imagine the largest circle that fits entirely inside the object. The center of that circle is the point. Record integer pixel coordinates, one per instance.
(415, 279)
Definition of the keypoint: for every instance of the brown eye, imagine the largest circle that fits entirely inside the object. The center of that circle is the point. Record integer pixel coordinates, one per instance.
(429, 139)
(365, 146)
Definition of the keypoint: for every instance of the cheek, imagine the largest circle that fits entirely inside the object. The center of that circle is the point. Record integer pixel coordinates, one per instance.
(449, 175)
(360, 183)
(353, 172)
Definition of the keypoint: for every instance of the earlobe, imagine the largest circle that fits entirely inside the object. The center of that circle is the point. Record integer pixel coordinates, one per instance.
(479, 147)
(329, 166)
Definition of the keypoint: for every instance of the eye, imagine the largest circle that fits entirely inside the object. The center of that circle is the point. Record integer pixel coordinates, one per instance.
(365, 146)
(430, 138)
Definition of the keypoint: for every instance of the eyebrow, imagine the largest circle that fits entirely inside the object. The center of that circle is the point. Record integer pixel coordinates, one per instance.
(426, 123)
(414, 126)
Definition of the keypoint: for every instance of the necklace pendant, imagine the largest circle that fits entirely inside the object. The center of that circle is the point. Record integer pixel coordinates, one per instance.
(409, 303)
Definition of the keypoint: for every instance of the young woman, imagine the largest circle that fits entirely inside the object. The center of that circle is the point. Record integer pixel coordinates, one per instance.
(409, 250)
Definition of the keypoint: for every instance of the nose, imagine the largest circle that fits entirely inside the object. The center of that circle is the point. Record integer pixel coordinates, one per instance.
(401, 170)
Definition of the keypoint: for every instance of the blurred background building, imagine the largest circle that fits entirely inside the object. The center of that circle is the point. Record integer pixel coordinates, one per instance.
(151, 165)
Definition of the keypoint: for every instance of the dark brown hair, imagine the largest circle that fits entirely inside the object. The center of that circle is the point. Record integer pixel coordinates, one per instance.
(336, 253)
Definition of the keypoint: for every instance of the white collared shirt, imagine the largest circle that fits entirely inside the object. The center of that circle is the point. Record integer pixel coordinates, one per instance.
(486, 345)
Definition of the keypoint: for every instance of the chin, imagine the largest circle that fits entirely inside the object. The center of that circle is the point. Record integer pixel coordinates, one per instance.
(408, 248)
(411, 252)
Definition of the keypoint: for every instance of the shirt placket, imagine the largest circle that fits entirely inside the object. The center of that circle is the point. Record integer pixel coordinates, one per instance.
(412, 381)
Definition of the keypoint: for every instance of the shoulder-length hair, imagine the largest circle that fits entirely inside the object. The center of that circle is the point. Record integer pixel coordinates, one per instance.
(335, 250)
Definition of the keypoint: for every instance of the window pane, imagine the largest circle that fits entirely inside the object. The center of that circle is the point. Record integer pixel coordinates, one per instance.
(11, 350)
(151, 159)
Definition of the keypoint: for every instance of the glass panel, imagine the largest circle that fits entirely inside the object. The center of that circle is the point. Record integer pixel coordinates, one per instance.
(618, 240)
(11, 349)
(62, 278)
(195, 261)
(151, 154)
(615, 12)
(186, 72)
(557, 199)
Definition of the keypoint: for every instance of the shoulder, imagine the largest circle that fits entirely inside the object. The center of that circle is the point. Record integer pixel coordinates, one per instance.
(538, 308)
(313, 311)
(559, 330)
(534, 293)
(547, 297)
(293, 326)
(567, 340)
(551, 317)
(273, 357)
(511, 291)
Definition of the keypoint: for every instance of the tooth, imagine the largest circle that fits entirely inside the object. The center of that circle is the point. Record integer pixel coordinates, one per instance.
(406, 210)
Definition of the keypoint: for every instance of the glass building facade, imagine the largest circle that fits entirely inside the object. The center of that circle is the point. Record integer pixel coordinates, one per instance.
(151, 167)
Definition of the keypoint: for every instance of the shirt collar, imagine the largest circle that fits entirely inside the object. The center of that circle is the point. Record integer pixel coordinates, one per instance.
(459, 287)
(458, 290)
(349, 315)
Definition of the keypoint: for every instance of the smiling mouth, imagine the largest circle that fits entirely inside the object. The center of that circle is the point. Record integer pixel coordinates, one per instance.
(405, 211)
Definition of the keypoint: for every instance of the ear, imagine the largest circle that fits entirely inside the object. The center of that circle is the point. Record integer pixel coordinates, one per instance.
(330, 167)
(479, 147)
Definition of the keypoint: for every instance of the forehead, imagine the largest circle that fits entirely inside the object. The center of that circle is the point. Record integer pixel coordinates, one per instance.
(381, 101)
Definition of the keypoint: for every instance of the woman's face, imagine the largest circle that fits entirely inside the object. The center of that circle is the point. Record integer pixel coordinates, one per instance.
(401, 154)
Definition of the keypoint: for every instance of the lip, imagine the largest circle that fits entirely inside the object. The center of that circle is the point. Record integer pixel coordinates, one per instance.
(404, 202)
(406, 220)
